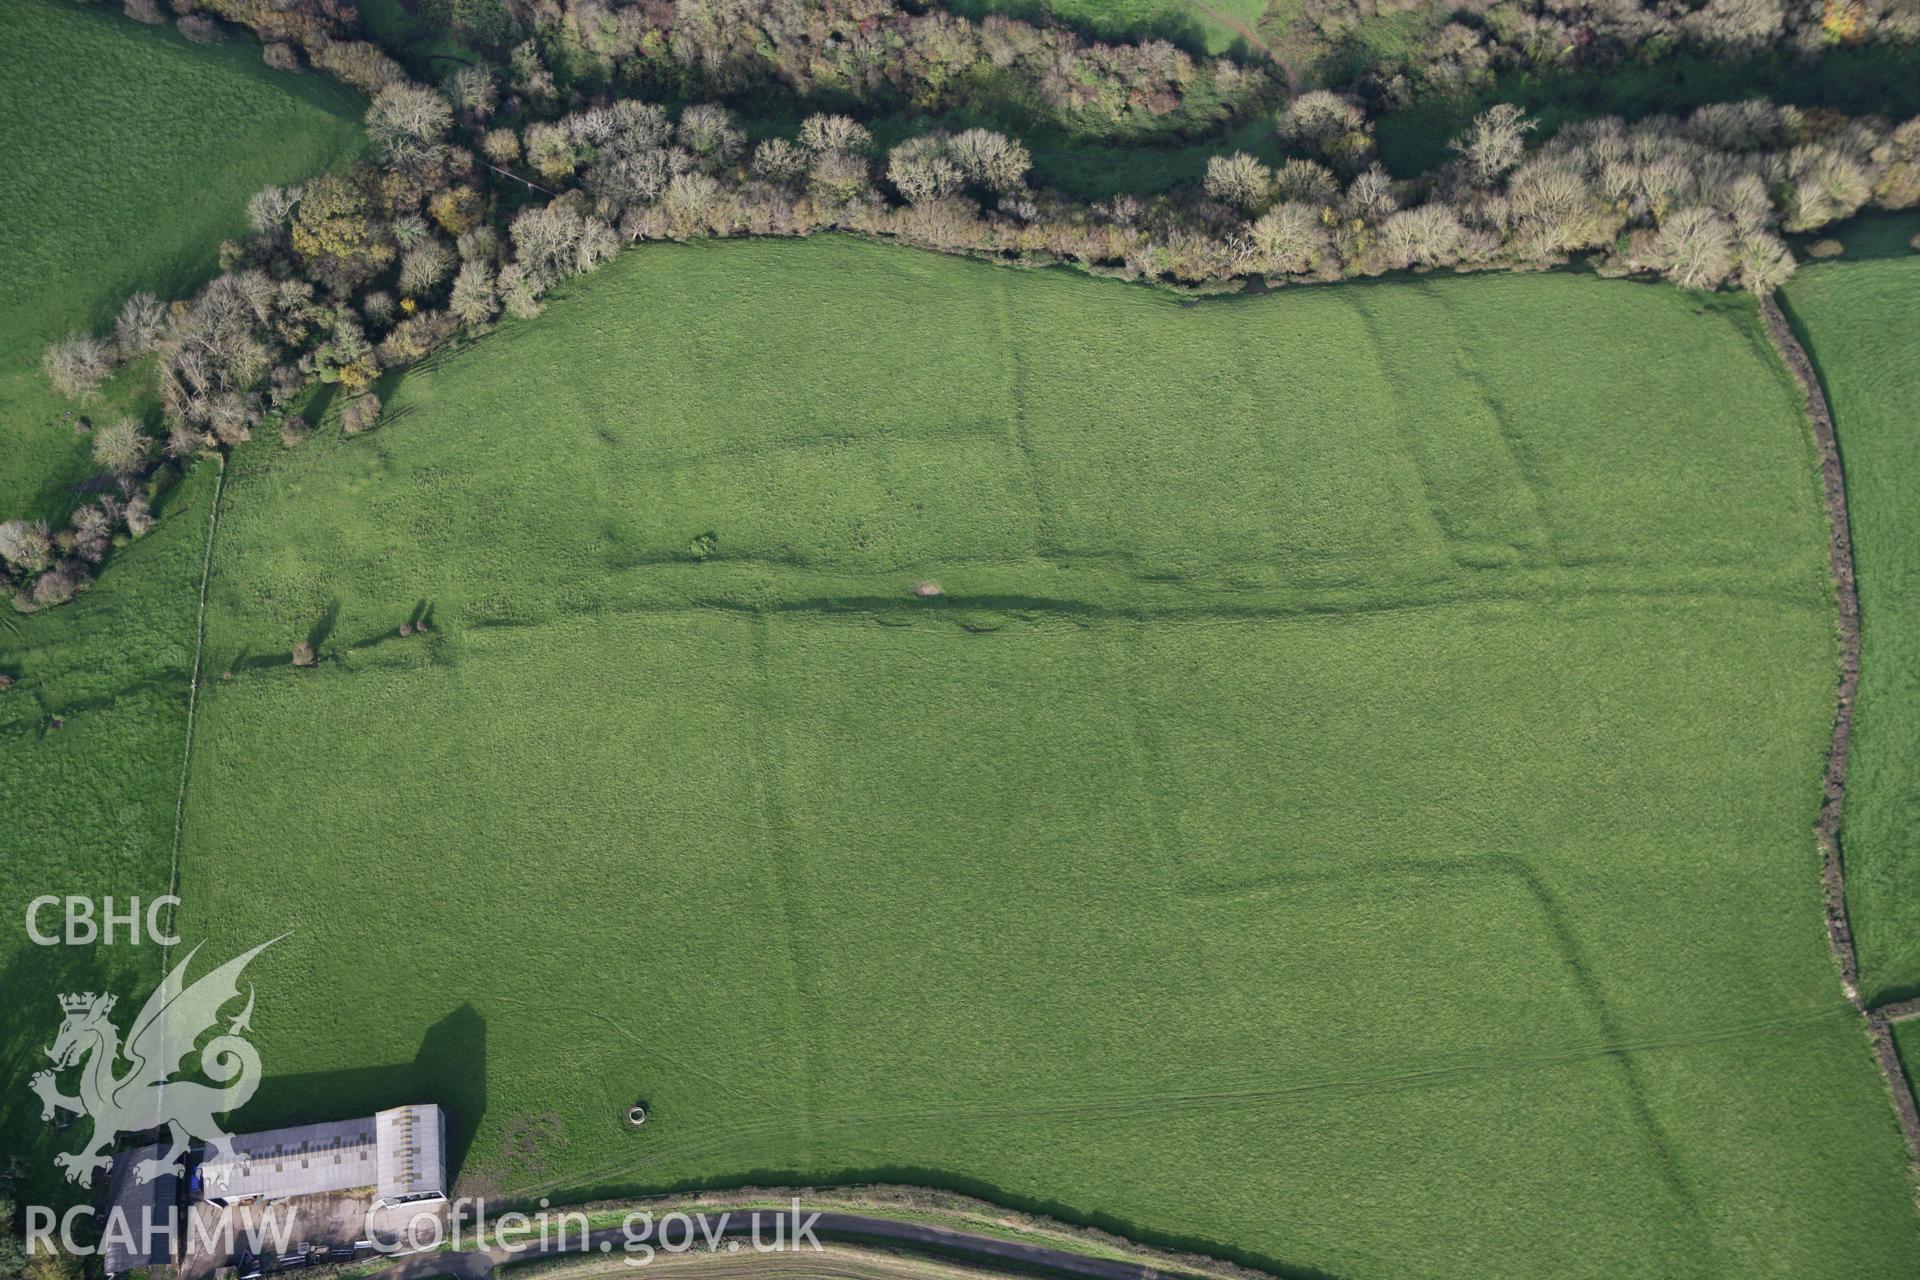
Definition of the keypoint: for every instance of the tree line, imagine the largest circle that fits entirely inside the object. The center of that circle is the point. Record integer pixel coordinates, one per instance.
(482, 195)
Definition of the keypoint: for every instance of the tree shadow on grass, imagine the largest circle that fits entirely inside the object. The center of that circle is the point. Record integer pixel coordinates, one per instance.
(317, 635)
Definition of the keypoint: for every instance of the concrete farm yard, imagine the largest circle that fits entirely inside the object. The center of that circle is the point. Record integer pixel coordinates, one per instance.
(1398, 792)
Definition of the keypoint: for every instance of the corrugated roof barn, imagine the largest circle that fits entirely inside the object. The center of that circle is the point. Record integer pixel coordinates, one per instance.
(399, 1154)
(306, 1160)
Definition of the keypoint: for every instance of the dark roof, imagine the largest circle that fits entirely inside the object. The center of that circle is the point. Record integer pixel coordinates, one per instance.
(131, 1206)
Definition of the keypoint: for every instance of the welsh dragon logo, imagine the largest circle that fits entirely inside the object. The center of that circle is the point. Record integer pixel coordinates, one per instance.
(145, 1095)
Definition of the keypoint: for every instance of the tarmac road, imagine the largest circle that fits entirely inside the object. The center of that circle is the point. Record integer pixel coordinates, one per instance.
(479, 1264)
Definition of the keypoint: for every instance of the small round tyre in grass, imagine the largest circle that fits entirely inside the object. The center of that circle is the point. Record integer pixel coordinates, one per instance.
(637, 1114)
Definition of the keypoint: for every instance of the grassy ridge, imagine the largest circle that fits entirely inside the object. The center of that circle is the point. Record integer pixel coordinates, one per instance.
(1352, 716)
(130, 154)
(1856, 320)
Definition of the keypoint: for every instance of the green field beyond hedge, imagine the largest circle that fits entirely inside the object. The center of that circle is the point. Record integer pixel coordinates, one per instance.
(129, 155)
(1857, 321)
(1350, 808)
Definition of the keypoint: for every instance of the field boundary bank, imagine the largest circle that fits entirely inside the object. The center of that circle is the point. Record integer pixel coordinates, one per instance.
(193, 698)
(1827, 827)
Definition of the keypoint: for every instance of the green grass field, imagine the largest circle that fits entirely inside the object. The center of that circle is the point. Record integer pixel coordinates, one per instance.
(129, 154)
(1349, 809)
(1906, 1039)
(1856, 320)
(90, 800)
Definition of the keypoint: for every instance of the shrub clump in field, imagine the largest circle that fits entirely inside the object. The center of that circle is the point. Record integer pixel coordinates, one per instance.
(25, 545)
(138, 515)
(1828, 248)
(360, 414)
(295, 431)
(303, 655)
(199, 28)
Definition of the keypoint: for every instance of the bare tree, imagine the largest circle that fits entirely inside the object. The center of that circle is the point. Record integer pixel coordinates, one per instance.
(639, 126)
(140, 325)
(707, 131)
(1327, 125)
(271, 207)
(1823, 185)
(778, 160)
(838, 177)
(1370, 195)
(1765, 262)
(1427, 235)
(199, 28)
(482, 244)
(93, 530)
(473, 299)
(990, 160)
(1494, 142)
(473, 91)
(359, 414)
(121, 446)
(26, 545)
(544, 239)
(920, 169)
(77, 364)
(1694, 248)
(502, 146)
(1306, 181)
(690, 202)
(520, 291)
(1239, 180)
(1290, 239)
(138, 515)
(425, 266)
(821, 134)
(60, 584)
(407, 120)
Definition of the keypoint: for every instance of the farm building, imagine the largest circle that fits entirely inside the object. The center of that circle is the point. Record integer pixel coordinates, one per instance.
(410, 1143)
(399, 1153)
(143, 1224)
